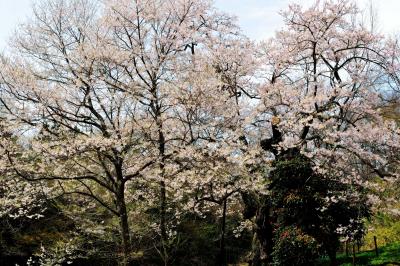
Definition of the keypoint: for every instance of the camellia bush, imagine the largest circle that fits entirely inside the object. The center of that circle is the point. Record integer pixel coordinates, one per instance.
(294, 247)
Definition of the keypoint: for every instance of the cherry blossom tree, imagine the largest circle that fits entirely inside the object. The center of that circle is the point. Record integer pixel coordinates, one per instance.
(165, 46)
(104, 93)
(323, 75)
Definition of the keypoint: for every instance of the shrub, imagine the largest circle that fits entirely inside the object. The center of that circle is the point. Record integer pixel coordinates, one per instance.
(294, 247)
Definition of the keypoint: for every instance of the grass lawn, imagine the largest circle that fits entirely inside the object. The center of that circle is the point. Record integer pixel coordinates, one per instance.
(388, 255)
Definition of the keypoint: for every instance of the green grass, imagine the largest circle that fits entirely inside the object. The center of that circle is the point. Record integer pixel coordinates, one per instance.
(388, 255)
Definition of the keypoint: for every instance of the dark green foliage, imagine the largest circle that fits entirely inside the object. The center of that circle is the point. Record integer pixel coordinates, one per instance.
(294, 247)
(250, 202)
(297, 196)
(21, 237)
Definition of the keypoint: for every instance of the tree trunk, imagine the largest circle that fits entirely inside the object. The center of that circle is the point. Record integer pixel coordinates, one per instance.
(376, 247)
(264, 234)
(125, 235)
(163, 196)
(157, 111)
(332, 257)
(222, 257)
(124, 225)
(163, 227)
(258, 206)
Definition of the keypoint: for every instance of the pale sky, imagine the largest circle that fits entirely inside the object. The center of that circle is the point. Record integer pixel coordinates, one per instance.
(258, 18)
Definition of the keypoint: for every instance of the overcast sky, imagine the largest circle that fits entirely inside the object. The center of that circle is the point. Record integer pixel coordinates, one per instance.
(258, 18)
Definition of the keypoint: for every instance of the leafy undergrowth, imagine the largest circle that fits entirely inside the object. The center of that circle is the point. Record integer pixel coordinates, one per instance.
(388, 255)
(385, 227)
